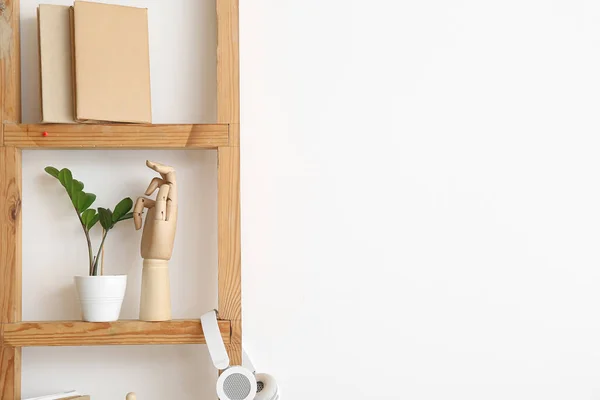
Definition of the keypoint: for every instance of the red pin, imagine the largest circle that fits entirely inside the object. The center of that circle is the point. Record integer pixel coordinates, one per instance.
(44, 133)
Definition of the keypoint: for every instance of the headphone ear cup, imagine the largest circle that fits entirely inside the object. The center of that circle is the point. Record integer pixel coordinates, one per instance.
(266, 387)
(236, 383)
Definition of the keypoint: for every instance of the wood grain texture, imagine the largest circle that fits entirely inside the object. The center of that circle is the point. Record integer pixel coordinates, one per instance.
(228, 62)
(234, 350)
(10, 234)
(228, 189)
(236, 331)
(10, 266)
(78, 333)
(84, 136)
(10, 192)
(234, 135)
(10, 61)
(228, 111)
(10, 377)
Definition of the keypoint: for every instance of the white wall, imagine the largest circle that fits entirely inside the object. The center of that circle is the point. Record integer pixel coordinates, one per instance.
(427, 167)
(431, 168)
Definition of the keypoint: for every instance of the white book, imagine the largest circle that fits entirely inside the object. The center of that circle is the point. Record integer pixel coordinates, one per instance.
(57, 396)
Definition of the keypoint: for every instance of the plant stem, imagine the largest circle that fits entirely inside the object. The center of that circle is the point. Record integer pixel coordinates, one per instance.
(102, 264)
(95, 269)
(89, 241)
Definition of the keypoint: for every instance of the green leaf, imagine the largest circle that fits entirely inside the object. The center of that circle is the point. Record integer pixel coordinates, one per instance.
(122, 208)
(93, 221)
(77, 186)
(105, 218)
(66, 178)
(87, 216)
(52, 171)
(126, 216)
(75, 199)
(84, 201)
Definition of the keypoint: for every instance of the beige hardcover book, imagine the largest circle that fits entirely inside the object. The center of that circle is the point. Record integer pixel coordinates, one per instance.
(111, 63)
(55, 64)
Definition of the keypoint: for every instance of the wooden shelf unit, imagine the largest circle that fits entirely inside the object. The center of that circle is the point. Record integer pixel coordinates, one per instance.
(14, 136)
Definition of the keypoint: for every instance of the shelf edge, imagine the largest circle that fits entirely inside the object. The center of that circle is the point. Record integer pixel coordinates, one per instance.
(109, 136)
(123, 332)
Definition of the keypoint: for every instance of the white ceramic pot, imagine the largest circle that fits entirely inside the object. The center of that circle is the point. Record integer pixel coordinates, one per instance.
(101, 297)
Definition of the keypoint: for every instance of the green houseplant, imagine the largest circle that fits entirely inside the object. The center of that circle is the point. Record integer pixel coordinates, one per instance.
(100, 295)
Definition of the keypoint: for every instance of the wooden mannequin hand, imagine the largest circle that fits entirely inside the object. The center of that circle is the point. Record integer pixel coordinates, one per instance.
(161, 220)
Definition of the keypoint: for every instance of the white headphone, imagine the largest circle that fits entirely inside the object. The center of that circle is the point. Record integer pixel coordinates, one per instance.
(237, 382)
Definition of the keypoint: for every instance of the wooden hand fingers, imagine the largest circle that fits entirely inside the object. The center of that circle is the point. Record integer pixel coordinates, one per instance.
(155, 183)
(168, 177)
(158, 167)
(167, 172)
(138, 208)
(161, 203)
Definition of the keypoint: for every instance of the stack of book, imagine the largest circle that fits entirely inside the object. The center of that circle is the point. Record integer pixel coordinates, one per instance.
(72, 395)
(94, 63)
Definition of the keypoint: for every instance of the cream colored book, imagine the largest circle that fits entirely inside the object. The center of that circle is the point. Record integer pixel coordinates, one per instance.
(56, 77)
(111, 63)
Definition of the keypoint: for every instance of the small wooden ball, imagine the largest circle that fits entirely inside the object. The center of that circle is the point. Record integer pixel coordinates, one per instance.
(131, 396)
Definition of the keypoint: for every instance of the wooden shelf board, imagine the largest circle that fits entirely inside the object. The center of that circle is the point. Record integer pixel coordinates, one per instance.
(124, 332)
(91, 136)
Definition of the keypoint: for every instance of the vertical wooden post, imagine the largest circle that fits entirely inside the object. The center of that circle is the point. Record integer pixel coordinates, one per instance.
(10, 61)
(228, 62)
(10, 198)
(10, 267)
(228, 111)
(230, 299)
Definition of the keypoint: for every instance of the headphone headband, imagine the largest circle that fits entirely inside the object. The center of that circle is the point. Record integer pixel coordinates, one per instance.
(216, 347)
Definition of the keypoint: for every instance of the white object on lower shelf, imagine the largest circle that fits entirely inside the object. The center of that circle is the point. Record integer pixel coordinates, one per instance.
(101, 297)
